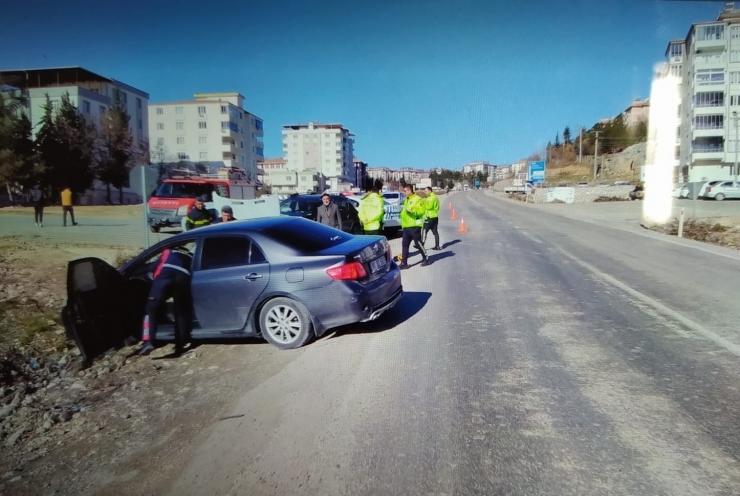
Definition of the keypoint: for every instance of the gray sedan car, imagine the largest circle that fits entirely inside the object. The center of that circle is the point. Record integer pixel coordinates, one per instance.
(285, 279)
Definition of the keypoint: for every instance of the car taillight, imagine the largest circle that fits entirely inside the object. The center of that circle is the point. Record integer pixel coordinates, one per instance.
(709, 188)
(347, 272)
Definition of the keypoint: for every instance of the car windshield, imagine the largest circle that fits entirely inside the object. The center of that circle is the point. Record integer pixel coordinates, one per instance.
(183, 190)
(299, 206)
(313, 237)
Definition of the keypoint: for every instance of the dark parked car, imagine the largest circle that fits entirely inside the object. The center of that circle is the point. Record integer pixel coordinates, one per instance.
(285, 279)
(306, 206)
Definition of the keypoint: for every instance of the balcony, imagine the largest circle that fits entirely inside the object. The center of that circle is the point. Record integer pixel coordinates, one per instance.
(704, 132)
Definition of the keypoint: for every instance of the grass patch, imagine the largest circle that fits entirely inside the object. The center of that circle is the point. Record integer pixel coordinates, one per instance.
(34, 325)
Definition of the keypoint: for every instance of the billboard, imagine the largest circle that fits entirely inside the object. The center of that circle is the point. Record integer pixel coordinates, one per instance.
(536, 172)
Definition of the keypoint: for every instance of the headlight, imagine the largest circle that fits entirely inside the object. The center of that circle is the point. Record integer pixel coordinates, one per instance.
(182, 210)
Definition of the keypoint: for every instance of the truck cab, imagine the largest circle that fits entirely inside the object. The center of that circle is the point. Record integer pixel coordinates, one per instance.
(175, 197)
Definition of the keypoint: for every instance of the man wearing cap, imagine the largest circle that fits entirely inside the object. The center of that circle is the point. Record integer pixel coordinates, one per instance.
(227, 214)
(199, 215)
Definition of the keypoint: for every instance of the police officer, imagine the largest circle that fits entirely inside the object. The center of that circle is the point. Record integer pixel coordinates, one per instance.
(412, 219)
(199, 216)
(170, 278)
(372, 212)
(431, 203)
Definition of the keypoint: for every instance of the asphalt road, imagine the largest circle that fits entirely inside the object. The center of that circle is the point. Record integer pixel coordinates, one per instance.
(537, 355)
(552, 349)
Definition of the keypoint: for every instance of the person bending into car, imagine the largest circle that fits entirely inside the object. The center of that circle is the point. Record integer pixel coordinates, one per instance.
(170, 278)
(199, 215)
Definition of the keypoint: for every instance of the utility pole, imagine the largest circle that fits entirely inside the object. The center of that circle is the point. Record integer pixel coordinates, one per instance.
(580, 144)
(734, 115)
(596, 153)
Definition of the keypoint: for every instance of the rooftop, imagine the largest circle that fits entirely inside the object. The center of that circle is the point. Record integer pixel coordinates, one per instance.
(59, 76)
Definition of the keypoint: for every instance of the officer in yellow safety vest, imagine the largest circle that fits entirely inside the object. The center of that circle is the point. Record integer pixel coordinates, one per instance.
(372, 212)
(431, 202)
(412, 220)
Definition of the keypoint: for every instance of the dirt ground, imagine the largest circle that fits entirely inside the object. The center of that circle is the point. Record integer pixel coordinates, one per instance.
(113, 211)
(68, 428)
(722, 231)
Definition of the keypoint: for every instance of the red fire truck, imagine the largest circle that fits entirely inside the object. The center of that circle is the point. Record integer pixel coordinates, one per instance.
(174, 198)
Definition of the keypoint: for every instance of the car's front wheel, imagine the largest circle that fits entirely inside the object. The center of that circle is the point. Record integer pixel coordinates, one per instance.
(286, 323)
(719, 197)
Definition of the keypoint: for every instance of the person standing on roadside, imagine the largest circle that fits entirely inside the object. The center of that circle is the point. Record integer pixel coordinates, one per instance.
(372, 212)
(412, 220)
(431, 203)
(67, 205)
(199, 215)
(38, 198)
(328, 213)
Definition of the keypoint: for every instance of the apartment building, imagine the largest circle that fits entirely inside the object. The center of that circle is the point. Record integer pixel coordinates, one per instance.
(91, 93)
(213, 130)
(706, 65)
(637, 112)
(382, 173)
(476, 167)
(326, 148)
(289, 182)
(360, 172)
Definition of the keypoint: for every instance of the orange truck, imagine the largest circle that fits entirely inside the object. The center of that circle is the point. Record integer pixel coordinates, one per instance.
(175, 197)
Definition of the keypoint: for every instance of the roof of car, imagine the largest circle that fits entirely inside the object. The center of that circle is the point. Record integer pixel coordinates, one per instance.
(243, 225)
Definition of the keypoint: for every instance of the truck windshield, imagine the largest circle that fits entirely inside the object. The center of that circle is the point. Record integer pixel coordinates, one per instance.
(183, 190)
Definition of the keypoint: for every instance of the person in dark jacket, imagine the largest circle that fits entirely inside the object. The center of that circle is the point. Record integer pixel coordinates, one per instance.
(328, 213)
(170, 278)
(38, 198)
(199, 215)
(227, 214)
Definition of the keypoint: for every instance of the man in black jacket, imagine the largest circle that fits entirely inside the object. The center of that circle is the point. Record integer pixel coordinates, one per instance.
(199, 215)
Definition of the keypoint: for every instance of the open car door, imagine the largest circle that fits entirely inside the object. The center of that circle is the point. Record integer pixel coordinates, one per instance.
(100, 312)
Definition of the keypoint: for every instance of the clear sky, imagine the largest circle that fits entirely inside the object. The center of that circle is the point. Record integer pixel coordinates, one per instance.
(421, 83)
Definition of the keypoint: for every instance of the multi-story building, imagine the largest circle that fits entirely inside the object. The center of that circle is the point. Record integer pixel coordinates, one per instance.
(706, 65)
(289, 181)
(213, 130)
(382, 173)
(476, 167)
(637, 112)
(91, 93)
(360, 172)
(326, 148)
(411, 176)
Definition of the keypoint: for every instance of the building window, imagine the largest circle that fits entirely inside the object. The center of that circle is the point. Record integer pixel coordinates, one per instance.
(85, 107)
(708, 122)
(712, 32)
(182, 156)
(160, 141)
(709, 99)
(201, 110)
(141, 124)
(201, 125)
(734, 100)
(160, 126)
(160, 111)
(224, 109)
(204, 155)
(224, 125)
(241, 144)
(123, 97)
(676, 50)
(203, 140)
(180, 140)
(676, 70)
(54, 104)
(102, 110)
(138, 103)
(710, 77)
(735, 55)
(178, 110)
(179, 125)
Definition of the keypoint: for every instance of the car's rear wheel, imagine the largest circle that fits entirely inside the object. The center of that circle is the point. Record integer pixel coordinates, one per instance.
(719, 197)
(286, 323)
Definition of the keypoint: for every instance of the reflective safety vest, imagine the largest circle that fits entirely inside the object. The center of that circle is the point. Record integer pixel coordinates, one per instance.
(198, 218)
(431, 202)
(371, 212)
(413, 212)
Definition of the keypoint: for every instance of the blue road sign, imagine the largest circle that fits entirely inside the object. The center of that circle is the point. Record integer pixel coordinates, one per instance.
(537, 172)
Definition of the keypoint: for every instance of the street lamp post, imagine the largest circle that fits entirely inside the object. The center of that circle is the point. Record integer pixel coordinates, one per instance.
(734, 116)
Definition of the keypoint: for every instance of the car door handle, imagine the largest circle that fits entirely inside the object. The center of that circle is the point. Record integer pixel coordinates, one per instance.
(253, 276)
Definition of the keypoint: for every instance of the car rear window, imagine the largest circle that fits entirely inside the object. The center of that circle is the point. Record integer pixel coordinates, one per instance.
(312, 236)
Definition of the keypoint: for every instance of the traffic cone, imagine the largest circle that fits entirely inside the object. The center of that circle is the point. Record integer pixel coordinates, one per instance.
(454, 215)
(463, 228)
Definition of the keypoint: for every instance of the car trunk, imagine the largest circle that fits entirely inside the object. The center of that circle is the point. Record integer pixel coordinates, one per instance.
(373, 252)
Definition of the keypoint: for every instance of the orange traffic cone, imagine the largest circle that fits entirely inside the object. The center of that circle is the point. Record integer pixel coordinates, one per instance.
(454, 215)
(463, 228)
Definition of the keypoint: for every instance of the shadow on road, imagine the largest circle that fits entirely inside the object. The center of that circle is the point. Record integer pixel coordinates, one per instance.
(411, 303)
(450, 243)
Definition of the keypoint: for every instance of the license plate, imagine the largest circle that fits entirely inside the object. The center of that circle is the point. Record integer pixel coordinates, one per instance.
(378, 264)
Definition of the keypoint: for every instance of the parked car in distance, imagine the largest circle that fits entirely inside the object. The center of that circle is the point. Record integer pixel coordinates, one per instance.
(703, 189)
(392, 219)
(284, 279)
(306, 206)
(722, 190)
